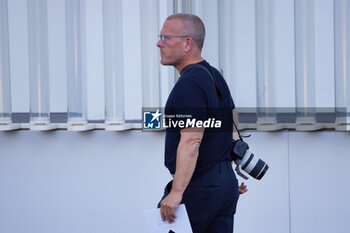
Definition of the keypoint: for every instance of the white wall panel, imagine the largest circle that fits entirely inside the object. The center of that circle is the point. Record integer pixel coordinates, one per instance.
(242, 51)
(245, 95)
(79, 182)
(284, 45)
(113, 62)
(75, 11)
(319, 170)
(94, 60)
(38, 61)
(96, 181)
(265, 61)
(18, 37)
(208, 11)
(166, 73)
(270, 196)
(182, 6)
(342, 61)
(57, 54)
(324, 54)
(227, 21)
(5, 79)
(132, 59)
(304, 19)
(150, 53)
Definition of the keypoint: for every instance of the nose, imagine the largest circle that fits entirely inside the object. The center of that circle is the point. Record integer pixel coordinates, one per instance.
(160, 43)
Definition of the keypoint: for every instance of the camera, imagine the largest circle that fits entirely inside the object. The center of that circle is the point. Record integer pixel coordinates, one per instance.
(247, 161)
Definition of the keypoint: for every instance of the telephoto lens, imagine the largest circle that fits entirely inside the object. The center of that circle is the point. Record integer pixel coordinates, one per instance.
(247, 161)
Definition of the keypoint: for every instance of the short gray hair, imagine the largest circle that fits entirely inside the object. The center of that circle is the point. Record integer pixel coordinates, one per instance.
(192, 26)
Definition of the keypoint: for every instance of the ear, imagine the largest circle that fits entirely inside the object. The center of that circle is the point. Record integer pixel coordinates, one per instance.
(189, 44)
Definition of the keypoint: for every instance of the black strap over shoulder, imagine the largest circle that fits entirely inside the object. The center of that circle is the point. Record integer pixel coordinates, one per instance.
(216, 86)
(204, 68)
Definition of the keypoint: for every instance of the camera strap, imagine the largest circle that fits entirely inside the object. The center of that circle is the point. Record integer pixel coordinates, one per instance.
(217, 90)
(240, 136)
(204, 68)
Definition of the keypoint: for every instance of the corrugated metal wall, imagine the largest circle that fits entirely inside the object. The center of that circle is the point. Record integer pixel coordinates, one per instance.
(286, 62)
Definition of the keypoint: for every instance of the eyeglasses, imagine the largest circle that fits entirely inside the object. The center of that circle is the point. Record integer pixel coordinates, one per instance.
(163, 37)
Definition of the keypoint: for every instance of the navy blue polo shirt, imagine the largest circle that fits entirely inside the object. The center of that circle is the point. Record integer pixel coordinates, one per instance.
(194, 99)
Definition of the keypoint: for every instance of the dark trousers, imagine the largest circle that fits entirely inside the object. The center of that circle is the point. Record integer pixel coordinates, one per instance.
(211, 199)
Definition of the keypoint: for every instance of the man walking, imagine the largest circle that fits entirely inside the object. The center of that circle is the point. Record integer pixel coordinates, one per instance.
(198, 156)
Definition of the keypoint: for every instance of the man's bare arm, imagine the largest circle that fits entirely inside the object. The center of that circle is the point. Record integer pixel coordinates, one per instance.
(186, 159)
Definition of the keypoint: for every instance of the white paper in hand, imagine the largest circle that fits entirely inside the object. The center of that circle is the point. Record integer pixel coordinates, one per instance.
(156, 225)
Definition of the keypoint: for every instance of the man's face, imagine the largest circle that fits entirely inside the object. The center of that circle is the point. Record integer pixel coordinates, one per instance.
(172, 50)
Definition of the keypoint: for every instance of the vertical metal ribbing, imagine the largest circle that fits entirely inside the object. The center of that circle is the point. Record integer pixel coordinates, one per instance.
(166, 73)
(305, 63)
(150, 54)
(342, 63)
(38, 62)
(113, 62)
(186, 6)
(226, 41)
(265, 61)
(5, 84)
(76, 75)
(182, 6)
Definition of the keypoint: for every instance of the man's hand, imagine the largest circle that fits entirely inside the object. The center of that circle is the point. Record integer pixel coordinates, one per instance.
(169, 205)
(242, 188)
